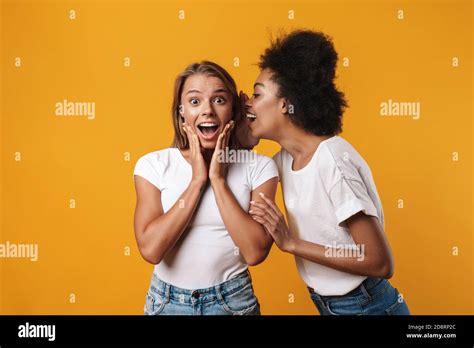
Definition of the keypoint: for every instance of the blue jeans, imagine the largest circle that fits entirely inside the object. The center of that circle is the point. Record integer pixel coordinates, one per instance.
(233, 297)
(374, 296)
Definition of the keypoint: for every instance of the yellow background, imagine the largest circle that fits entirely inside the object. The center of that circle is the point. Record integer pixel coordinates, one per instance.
(82, 250)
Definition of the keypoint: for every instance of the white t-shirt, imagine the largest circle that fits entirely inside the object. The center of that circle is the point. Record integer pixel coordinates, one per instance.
(205, 255)
(336, 184)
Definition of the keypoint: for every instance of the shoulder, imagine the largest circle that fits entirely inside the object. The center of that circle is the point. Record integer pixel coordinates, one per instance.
(330, 161)
(346, 157)
(261, 162)
(159, 155)
(255, 167)
(153, 165)
(264, 159)
(339, 159)
(159, 158)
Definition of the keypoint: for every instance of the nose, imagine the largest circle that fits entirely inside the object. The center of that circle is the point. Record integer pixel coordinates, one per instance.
(207, 108)
(248, 103)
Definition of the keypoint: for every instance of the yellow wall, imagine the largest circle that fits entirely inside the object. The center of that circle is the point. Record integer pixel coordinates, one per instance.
(82, 249)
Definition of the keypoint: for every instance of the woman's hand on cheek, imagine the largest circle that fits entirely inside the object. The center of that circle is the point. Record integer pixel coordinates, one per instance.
(198, 164)
(267, 214)
(218, 167)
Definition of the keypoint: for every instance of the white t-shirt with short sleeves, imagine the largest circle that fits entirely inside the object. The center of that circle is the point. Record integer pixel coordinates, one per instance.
(336, 184)
(205, 255)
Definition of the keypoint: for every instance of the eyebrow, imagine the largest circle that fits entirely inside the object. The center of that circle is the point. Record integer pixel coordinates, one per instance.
(193, 91)
(219, 90)
(258, 84)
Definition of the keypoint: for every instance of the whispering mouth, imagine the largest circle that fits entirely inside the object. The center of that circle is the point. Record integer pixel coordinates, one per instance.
(251, 117)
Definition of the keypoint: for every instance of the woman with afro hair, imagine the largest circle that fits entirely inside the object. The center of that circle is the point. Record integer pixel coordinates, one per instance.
(335, 218)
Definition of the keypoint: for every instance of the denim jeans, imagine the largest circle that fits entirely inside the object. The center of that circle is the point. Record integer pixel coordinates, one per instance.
(233, 297)
(374, 296)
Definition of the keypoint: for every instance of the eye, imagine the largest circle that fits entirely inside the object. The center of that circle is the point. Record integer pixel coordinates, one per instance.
(194, 101)
(255, 95)
(219, 100)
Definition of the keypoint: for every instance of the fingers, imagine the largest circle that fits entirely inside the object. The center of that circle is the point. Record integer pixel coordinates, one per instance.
(219, 144)
(227, 132)
(189, 135)
(197, 145)
(263, 211)
(260, 212)
(223, 139)
(264, 207)
(265, 224)
(271, 204)
(193, 139)
(215, 156)
(261, 221)
(265, 216)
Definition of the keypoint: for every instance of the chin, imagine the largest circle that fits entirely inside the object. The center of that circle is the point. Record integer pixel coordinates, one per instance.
(256, 135)
(207, 145)
(254, 142)
(261, 133)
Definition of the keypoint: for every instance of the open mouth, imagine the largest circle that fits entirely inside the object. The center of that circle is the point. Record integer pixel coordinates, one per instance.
(208, 130)
(251, 117)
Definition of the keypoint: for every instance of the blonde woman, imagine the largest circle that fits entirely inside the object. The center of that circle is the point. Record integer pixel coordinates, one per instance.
(191, 217)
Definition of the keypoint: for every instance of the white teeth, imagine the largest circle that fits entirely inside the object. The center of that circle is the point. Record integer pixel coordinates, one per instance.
(249, 115)
(208, 124)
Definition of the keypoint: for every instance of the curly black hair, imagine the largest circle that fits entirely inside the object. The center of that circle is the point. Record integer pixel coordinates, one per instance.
(303, 65)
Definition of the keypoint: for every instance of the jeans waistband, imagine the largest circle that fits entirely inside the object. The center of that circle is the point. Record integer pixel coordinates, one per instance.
(210, 294)
(365, 288)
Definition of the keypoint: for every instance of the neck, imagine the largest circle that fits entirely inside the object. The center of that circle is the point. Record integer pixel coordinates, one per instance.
(206, 154)
(299, 143)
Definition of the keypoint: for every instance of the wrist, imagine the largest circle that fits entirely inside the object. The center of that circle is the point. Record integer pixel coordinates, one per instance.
(217, 182)
(198, 184)
(291, 246)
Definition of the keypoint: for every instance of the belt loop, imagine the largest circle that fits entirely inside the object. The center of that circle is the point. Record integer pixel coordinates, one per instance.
(364, 290)
(250, 276)
(217, 289)
(322, 300)
(167, 292)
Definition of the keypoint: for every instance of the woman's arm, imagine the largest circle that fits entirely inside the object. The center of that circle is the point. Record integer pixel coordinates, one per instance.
(376, 260)
(253, 242)
(157, 232)
(250, 237)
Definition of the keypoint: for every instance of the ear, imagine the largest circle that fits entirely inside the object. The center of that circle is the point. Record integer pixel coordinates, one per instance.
(180, 110)
(285, 106)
